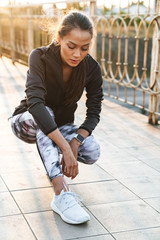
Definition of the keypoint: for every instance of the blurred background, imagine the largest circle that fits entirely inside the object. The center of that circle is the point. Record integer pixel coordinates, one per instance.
(126, 42)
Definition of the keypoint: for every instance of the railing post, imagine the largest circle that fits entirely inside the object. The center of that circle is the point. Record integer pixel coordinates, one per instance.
(12, 36)
(155, 73)
(30, 30)
(93, 16)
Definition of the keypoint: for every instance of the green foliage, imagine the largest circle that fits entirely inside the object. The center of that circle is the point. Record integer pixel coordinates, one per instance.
(77, 6)
(106, 10)
(135, 3)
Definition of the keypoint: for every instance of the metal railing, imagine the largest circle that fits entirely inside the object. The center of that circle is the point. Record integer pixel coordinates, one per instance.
(126, 44)
(130, 58)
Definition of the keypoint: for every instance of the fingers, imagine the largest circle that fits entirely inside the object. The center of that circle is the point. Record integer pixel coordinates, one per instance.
(69, 164)
(63, 165)
(75, 172)
(70, 171)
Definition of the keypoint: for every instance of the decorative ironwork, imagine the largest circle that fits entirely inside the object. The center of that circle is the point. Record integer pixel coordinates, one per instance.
(126, 44)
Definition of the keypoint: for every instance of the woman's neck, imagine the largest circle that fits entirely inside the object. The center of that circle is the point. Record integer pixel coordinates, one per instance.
(67, 71)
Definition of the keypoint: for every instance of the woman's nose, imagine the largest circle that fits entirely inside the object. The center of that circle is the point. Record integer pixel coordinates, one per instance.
(76, 53)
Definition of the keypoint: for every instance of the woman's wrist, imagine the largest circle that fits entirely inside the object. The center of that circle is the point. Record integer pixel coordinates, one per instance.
(58, 138)
(75, 142)
(65, 147)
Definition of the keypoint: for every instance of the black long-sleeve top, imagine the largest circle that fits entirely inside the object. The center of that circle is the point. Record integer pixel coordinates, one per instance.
(45, 87)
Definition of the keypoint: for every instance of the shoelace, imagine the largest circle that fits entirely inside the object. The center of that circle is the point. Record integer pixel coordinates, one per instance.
(76, 196)
(69, 199)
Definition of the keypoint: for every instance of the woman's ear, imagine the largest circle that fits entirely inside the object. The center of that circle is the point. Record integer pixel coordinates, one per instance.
(58, 39)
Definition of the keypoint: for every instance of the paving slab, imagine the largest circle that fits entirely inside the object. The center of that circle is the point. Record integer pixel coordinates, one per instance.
(113, 154)
(23, 160)
(15, 227)
(145, 234)
(49, 226)
(34, 200)
(130, 170)
(126, 216)
(103, 192)
(154, 202)
(3, 187)
(144, 187)
(90, 173)
(153, 162)
(26, 179)
(101, 237)
(7, 205)
(143, 153)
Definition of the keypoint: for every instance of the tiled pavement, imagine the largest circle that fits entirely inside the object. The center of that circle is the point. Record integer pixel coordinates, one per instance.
(121, 192)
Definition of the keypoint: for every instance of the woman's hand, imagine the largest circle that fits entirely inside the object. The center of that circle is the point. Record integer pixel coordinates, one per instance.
(69, 150)
(69, 163)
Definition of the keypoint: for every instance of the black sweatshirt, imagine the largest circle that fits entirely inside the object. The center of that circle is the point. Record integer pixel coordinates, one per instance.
(45, 87)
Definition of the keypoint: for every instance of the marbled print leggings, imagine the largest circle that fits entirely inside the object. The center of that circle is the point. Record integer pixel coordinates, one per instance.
(25, 128)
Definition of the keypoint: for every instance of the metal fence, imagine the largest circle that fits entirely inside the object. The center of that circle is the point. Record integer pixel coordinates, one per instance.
(129, 56)
(126, 43)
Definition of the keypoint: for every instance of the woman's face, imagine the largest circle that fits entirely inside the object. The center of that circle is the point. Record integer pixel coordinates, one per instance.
(75, 46)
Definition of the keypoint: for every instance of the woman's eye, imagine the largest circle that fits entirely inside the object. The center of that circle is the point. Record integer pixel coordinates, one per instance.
(84, 49)
(70, 47)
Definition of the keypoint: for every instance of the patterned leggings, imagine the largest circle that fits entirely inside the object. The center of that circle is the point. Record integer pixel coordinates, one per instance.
(25, 128)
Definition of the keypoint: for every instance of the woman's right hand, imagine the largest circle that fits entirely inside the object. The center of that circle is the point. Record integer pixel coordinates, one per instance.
(69, 164)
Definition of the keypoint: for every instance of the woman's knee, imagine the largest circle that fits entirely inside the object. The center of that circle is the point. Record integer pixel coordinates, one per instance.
(24, 127)
(90, 151)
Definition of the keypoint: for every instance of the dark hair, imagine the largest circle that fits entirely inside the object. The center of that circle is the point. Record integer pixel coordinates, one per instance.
(76, 83)
(74, 20)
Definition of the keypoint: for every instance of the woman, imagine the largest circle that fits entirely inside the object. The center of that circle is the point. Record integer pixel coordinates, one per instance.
(56, 79)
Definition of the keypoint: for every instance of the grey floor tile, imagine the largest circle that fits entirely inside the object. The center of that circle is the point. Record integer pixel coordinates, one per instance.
(154, 202)
(144, 187)
(48, 225)
(19, 161)
(3, 187)
(103, 192)
(112, 154)
(129, 170)
(33, 148)
(34, 200)
(143, 153)
(146, 234)
(89, 173)
(15, 147)
(15, 228)
(7, 205)
(26, 179)
(101, 237)
(126, 216)
(154, 163)
(124, 140)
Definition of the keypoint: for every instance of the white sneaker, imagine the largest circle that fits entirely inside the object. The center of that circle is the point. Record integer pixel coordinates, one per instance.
(67, 206)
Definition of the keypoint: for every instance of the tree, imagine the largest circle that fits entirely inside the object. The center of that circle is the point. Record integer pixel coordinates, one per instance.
(140, 3)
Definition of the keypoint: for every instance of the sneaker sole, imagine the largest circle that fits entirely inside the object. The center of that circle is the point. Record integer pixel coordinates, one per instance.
(55, 209)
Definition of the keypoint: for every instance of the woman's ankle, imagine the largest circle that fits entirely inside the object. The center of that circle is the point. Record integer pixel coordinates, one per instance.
(59, 184)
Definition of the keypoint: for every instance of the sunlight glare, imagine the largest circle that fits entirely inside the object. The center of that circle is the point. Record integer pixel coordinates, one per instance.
(115, 3)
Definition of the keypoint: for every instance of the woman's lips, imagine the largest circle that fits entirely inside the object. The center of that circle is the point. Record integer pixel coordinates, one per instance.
(74, 61)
